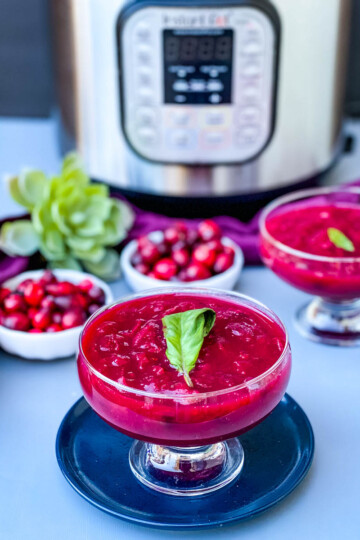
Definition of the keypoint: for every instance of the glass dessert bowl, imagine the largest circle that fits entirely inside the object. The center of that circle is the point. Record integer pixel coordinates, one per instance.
(185, 427)
(311, 239)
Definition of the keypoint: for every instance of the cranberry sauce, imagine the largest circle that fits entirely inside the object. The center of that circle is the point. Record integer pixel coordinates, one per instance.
(125, 343)
(304, 227)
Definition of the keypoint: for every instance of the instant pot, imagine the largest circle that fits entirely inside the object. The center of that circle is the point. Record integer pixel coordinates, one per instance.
(202, 107)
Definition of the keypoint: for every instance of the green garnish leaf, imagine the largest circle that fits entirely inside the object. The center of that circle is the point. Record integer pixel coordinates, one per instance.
(340, 240)
(184, 334)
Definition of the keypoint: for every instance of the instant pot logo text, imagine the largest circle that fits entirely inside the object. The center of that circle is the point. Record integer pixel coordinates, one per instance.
(196, 21)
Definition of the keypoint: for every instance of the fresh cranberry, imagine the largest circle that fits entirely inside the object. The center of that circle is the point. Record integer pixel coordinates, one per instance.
(85, 285)
(142, 242)
(56, 317)
(63, 302)
(14, 302)
(54, 328)
(191, 237)
(3, 293)
(195, 271)
(136, 258)
(22, 286)
(165, 269)
(229, 251)
(152, 275)
(73, 318)
(47, 277)
(150, 253)
(31, 312)
(35, 331)
(173, 235)
(17, 321)
(209, 230)
(48, 302)
(216, 245)
(33, 294)
(223, 262)
(2, 315)
(80, 300)
(181, 226)
(41, 319)
(97, 295)
(92, 308)
(203, 254)
(142, 268)
(163, 248)
(181, 256)
(62, 288)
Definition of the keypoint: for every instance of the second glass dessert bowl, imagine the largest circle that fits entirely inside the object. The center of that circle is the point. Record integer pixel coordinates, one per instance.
(311, 239)
(185, 437)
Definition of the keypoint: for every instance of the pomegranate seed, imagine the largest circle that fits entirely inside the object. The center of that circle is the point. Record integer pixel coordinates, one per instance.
(165, 269)
(209, 230)
(223, 263)
(33, 294)
(196, 271)
(73, 318)
(142, 268)
(17, 321)
(54, 328)
(150, 253)
(85, 285)
(204, 255)
(97, 295)
(2, 315)
(35, 331)
(31, 312)
(48, 302)
(41, 319)
(14, 302)
(80, 300)
(92, 308)
(3, 293)
(173, 235)
(181, 256)
(56, 317)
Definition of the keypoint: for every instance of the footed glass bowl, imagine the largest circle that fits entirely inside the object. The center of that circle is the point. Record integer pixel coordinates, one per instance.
(333, 316)
(185, 444)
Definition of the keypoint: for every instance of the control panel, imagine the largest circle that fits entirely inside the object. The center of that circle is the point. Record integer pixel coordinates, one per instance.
(198, 85)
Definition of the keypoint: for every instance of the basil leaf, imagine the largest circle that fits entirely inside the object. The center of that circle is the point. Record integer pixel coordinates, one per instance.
(184, 334)
(340, 240)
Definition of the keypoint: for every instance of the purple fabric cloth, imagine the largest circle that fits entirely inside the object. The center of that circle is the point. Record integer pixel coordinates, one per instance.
(11, 266)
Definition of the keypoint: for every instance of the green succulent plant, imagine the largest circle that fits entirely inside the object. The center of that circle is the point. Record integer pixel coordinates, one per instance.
(74, 223)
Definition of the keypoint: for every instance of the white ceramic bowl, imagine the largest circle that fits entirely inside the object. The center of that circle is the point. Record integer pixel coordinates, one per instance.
(47, 346)
(139, 282)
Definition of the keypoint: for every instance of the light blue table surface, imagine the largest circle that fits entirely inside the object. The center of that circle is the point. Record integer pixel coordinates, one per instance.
(37, 503)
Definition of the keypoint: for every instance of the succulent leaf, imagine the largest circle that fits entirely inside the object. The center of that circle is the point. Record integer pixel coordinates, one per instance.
(19, 238)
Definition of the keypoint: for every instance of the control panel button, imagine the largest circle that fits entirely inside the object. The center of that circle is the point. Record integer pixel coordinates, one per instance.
(215, 86)
(144, 76)
(215, 118)
(247, 135)
(147, 135)
(182, 138)
(251, 92)
(215, 98)
(145, 116)
(180, 118)
(248, 115)
(215, 137)
(142, 32)
(145, 95)
(180, 86)
(144, 54)
(251, 69)
(252, 48)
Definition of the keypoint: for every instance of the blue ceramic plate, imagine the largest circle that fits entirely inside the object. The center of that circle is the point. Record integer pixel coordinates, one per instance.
(94, 459)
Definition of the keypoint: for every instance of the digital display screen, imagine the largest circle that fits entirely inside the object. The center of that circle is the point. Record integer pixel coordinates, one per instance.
(198, 66)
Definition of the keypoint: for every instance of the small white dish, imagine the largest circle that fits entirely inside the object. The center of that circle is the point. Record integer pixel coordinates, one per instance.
(47, 346)
(139, 282)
